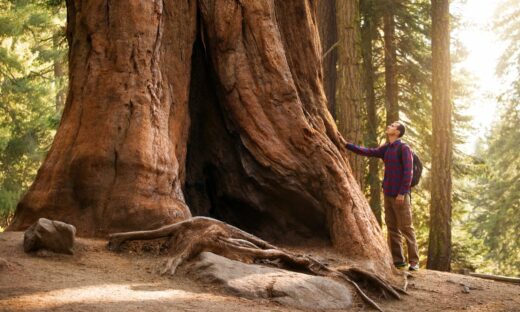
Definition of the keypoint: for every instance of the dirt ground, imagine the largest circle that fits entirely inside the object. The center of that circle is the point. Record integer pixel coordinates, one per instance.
(95, 279)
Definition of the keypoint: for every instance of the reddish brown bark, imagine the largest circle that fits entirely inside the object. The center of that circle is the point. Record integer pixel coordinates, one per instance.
(117, 160)
(391, 87)
(439, 245)
(368, 36)
(264, 150)
(326, 16)
(349, 93)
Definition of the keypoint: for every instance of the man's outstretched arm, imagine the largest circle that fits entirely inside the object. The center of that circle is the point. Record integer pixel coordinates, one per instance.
(366, 151)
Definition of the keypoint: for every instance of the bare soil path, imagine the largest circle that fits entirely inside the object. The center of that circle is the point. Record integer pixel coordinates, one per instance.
(95, 279)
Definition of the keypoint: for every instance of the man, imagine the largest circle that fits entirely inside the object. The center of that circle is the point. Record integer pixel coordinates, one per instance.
(396, 188)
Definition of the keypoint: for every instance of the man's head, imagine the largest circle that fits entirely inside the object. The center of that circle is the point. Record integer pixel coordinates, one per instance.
(396, 129)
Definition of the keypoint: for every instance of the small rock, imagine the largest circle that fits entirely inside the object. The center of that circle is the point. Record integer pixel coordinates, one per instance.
(465, 289)
(55, 236)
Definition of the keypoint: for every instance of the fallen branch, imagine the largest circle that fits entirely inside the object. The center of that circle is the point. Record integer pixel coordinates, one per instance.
(497, 277)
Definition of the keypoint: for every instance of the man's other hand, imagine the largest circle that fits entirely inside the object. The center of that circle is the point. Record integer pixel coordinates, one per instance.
(399, 199)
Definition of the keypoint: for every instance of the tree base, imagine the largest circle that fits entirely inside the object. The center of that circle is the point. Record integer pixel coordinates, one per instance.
(189, 238)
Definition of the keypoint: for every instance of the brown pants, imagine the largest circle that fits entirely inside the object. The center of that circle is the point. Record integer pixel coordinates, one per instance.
(398, 220)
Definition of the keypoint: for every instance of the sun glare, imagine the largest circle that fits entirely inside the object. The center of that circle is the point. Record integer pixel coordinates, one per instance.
(108, 293)
(484, 49)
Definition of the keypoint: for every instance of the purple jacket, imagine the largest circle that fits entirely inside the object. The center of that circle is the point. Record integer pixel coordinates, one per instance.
(398, 175)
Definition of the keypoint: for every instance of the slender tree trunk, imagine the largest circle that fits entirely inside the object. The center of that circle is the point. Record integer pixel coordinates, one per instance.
(349, 87)
(368, 34)
(391, 86)
(326, 16)
(439, 248)
(59, 74)
(118, 159)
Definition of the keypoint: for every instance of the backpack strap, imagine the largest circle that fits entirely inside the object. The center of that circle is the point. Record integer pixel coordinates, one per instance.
(400, 153)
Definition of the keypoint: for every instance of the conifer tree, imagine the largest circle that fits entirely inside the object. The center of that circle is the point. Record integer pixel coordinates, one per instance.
(439, 247)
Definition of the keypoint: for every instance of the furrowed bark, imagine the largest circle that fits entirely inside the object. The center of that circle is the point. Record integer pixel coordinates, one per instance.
(439, 245)
(117, 160)
(349, 93)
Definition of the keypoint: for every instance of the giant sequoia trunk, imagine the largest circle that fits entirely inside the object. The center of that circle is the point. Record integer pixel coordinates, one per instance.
(262, 152)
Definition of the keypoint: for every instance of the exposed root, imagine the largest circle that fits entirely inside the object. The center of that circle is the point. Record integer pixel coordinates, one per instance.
(362, 294)
(356, 273)
(189, 238)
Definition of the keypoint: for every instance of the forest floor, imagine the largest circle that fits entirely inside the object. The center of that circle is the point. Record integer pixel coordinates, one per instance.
(95, 279)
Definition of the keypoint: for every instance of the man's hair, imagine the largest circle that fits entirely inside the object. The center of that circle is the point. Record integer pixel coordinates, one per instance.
(401, 128)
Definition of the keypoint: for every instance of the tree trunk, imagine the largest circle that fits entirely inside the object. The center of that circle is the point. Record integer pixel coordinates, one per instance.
(266, 152)
(349, 88)
(368, 35)
(59, 74)
(439, 247)
(117, 161)
(391, 87)
(326, 16)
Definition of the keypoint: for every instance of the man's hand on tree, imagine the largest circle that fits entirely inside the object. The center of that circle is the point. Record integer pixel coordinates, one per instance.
(342, 140)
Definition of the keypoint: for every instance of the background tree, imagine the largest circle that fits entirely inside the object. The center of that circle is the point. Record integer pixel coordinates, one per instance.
(349, 91)
(338, 23)
(368, 36)
(326, 19)
(391, 84)
(439, 248)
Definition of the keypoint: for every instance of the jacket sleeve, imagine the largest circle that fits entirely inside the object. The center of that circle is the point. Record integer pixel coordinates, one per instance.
(365, 151)
(407, 162)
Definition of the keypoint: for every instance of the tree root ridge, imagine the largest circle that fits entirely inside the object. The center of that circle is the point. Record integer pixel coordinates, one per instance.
(189, 238)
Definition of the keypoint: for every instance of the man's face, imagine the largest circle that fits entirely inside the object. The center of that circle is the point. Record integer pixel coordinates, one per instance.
(391, 129)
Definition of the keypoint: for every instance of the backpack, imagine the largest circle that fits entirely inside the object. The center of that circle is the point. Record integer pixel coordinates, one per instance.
(417, 165)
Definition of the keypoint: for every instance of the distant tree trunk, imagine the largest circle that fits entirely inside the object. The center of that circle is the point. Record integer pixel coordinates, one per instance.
(265, 156)
(59, 74)
(391, 87)
(439, 248)
(349, 87)
(326, 17)
(368, 34)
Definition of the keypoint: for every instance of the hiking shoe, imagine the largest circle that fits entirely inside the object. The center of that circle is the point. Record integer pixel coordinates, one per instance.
(413, 266)
(399, 265)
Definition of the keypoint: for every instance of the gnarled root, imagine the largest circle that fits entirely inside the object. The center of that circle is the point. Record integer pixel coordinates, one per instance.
(195, 235)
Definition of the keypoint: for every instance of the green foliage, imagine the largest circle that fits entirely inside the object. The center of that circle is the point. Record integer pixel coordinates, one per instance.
(32, 45)
(492, 183)
(507, 23)
(497, 201)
